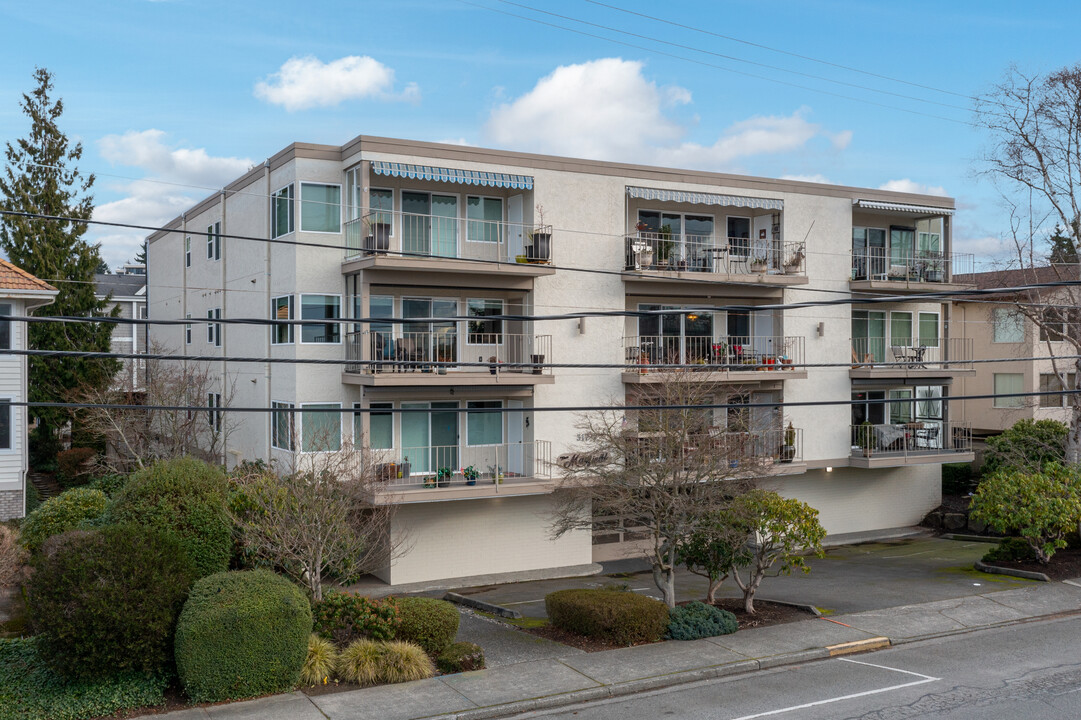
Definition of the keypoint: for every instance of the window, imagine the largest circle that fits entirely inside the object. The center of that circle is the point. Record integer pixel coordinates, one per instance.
(321, 431)
(187, 251)
(1055, 324)
(5, 327)
(485, 216)
(213, 241)
(382, 205)
(213, 329)
(6, 424)
(320, 307)
(900, 411)
(1050, 383)
(281, 308)
(213, 416)
(281, 427)
(281, 210)
(320, 207)
(484, 428)
(739, 236)
(1007, 326)
(1007, 384)
(900, 328)
(928, 329)
(380, 426)
(484, 332)
(187, 330)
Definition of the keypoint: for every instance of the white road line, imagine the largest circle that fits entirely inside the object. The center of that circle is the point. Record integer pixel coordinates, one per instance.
(923, 679)
(891, 557)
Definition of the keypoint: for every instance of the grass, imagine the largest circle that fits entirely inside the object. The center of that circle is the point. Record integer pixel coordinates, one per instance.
(525, 623)
(972, 572)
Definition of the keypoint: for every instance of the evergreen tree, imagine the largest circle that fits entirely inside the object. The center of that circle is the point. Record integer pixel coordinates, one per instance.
(41, 178)
(140, 257)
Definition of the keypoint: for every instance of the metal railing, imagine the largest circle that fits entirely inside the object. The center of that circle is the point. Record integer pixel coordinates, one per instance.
(729, 353)
(386, 351)
(774, 444)
(927, 354)
(706, 254)
(387, 232)
(911, 439)
(440, 466)
(930, 266)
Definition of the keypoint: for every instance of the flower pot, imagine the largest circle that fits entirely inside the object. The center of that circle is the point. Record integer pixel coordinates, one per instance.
(379, 240)
(537, 361)
(645, 258)
(470, 482)
(759, 268)
(541, 249)
(492, 368)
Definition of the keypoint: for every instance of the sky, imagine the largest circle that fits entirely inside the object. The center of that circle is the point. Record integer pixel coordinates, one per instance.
(173, 99)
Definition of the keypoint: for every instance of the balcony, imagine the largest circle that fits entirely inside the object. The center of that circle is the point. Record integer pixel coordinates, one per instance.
(393, 240)
(384, 358)
(730, 359)
(940, 357)
(911, 271)
(773, 451)
(655, 255)
(412, 474)
(913, 443)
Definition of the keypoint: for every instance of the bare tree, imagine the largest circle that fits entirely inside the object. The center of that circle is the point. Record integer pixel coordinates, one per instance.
(667, 472)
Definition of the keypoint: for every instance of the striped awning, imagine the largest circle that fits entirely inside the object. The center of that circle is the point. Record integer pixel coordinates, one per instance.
(452, 175)
(904, 208)
(700, 198)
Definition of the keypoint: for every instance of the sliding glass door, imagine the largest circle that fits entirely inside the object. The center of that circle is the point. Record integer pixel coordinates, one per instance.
(430, 439)
(430, 224)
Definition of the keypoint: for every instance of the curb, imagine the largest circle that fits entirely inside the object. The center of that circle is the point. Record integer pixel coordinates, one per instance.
(481, 605)
(972, 538)
(799, 606)
(1024, 574)
(848, 648)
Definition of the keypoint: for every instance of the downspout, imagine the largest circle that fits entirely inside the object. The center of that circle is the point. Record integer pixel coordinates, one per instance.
(224, 336)
(268, 367)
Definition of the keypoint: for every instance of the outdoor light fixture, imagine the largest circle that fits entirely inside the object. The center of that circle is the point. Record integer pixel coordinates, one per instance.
(829, 468)
(692, 317)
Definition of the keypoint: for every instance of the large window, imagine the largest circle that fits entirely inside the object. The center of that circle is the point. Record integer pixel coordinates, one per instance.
(320, 307)
(320, 207)
(213, 329)
(1051, 383)
(6, 424)
(281, 308)
(739, 236)
(900, 328)
(483, 331)
(1006, 384)
(928, 329)
(282, 210)
(5, 326)
(485, 216)
(213, 241)
(380, 427)
(1008, 326)
(322, 431)
(281, 426)
(484, 428)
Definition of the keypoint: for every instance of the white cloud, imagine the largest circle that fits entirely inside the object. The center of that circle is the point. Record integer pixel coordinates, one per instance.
(306, 82)
(911, 186)
(816, 178)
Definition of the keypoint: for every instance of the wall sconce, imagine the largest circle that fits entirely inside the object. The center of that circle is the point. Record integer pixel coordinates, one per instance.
(829, 468)
(581, 326)
(821, 329)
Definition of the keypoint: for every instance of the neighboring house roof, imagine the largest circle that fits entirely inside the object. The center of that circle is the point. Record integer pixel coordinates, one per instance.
(1017, 278)
(119, 285)
(13, 277)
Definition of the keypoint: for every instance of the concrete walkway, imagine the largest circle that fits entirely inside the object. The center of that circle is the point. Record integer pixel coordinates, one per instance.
(575, 677)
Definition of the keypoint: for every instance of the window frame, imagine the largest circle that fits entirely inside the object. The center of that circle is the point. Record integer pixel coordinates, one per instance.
(290, 330)
(372, 407)
(187, 251)
(213, 241)
(187, 330)
(300, 207)
(389, 213)
(277, 406)
(500, 415)
(337, 325)
(7, 328)
(1071, 381)
(938, 327)
(317, 406)
(213, 329)
(469, 334)
(500, 222)
(11, 436)
(214, 413)
(290, 198)
(998, 402)
(1013, 316)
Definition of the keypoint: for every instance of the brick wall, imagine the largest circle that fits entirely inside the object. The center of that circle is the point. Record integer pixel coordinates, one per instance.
(11, 504)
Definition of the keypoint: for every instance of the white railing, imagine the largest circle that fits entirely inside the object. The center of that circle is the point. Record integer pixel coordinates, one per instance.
(386, 351)
(440, 466)
(706, 254)
(931, 354)
(911, 266)
(911, 439)
(729, 353)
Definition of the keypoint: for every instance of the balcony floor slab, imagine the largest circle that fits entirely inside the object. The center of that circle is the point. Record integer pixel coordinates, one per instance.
(451, 379)
(727, 377)
(886, 460)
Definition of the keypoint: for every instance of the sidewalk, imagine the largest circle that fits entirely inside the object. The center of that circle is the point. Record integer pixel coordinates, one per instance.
(579, 677)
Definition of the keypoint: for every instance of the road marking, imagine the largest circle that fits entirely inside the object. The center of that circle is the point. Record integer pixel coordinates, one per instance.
(891, 557)
(923, 679)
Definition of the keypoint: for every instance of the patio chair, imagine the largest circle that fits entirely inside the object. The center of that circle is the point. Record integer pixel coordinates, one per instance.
(927, 437)
(409, 354)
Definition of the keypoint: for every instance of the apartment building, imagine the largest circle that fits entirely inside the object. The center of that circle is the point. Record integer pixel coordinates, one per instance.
(126, 291)
(396, 229)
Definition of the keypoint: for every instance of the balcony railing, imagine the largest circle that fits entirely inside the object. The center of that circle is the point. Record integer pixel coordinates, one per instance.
(505, 463)
(769, 445)
(385, 351)
(926, 354)
(917, 266)
(385, 232)
(706, 254)
(729, 353)
(911, 439)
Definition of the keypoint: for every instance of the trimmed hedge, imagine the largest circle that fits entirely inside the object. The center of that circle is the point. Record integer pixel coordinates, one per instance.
(612, 616)
(460, 657)
(242, 634)
(59, 514)
(344, 617)
(107, 600)
(696, 620)
(30, 690)
(428, 622)
(186, 498)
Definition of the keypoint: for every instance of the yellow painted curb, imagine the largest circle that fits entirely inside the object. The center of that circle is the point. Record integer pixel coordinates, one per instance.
(875, 643)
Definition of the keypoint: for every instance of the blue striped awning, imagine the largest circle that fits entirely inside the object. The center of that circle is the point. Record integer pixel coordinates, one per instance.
(452, 175)
(701, 198)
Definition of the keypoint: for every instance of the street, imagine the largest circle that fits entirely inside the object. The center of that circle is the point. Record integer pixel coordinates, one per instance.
(1023, 671)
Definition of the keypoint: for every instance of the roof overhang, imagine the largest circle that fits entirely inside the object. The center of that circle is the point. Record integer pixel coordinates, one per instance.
(903, 208)
(452, 175)
(703, 198)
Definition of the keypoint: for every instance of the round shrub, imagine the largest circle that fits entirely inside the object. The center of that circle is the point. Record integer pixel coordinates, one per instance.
(320, 662)
(460, 657)
(359, 663)
(108, 484)
(344, 617)
(184, 497)
(1010, 549)
(697, 620)
(59, 514)
(107, 600)
(404, 662)
(428, 622)
(612, 616)
(242, 634)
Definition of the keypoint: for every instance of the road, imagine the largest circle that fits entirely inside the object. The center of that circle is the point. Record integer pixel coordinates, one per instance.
(1022, 671)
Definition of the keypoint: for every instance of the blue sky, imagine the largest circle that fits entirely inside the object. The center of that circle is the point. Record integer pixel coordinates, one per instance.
(176, 96)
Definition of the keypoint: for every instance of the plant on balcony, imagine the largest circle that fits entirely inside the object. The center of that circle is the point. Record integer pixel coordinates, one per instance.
(470, 474)
(664, 245)
(759, 263)
(866, 437)
(429, 482)
(442, 476)
(794, 262)
(539, 249)
(788, 449)
(496, 473)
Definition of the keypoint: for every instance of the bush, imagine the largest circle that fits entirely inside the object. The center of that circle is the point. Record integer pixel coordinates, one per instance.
(108, 484)
(107, 600)
(344, 617)
(33, 498)
(242, 634)
(1027, 446)
(59, 514)
(460, 657)
(428, 622)
(696, 620)
(958, 479)
(72, 466)
(359, 663)
(184, 497)
(619, 618)
(320, 662)
(30, 690)
(12, 557)
(1010, 550)
(404, 662)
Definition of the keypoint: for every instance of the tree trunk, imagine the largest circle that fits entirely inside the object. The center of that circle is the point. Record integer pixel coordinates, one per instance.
(711, 593)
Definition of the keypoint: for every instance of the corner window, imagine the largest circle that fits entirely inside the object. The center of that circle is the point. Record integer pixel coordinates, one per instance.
(485, 219)
(1007, 326)
(187, 251)
(481, 330)
(281, 308)
(281, 210)
(484, 428)
(213, 329)
(213, 241)
(6, 424)
(320, 207)
(5, 326)
(281, 427)
(320, 307)
(321, 431)
(1007, 384)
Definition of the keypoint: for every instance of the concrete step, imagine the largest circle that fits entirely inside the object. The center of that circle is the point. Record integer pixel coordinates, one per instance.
(45, 484)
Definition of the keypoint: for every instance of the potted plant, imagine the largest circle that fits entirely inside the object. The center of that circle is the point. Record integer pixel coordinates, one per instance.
(442, 476)
(794, 262)
(866, 438)
(933, 268)
(378, 238)
(538, 361)
(664, 245)
(470, 474)
(788, 449)
(540, 247)
(429, 481)
(758, 263)
(493, 364)
(521, 259)
(496, 472)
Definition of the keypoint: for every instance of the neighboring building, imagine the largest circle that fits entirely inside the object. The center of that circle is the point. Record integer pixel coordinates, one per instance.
(126, 291)
(426, 230)
(20, 292)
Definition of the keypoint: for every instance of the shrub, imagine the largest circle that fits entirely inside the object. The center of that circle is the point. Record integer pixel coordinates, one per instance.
(404, 662)
(72, 466)
(33, 499)
(12, 557)
(320, 662)
(958, 479)
(428, 622)
(619, 618)
(108, 484)
(108, 599)
(1010, 550)
(344, 617)
(184, 497)
(359, 663)
(31, 690)
(1028, 446)
(59, 514)
(697, 620)
(242, 634)
(460, 657)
